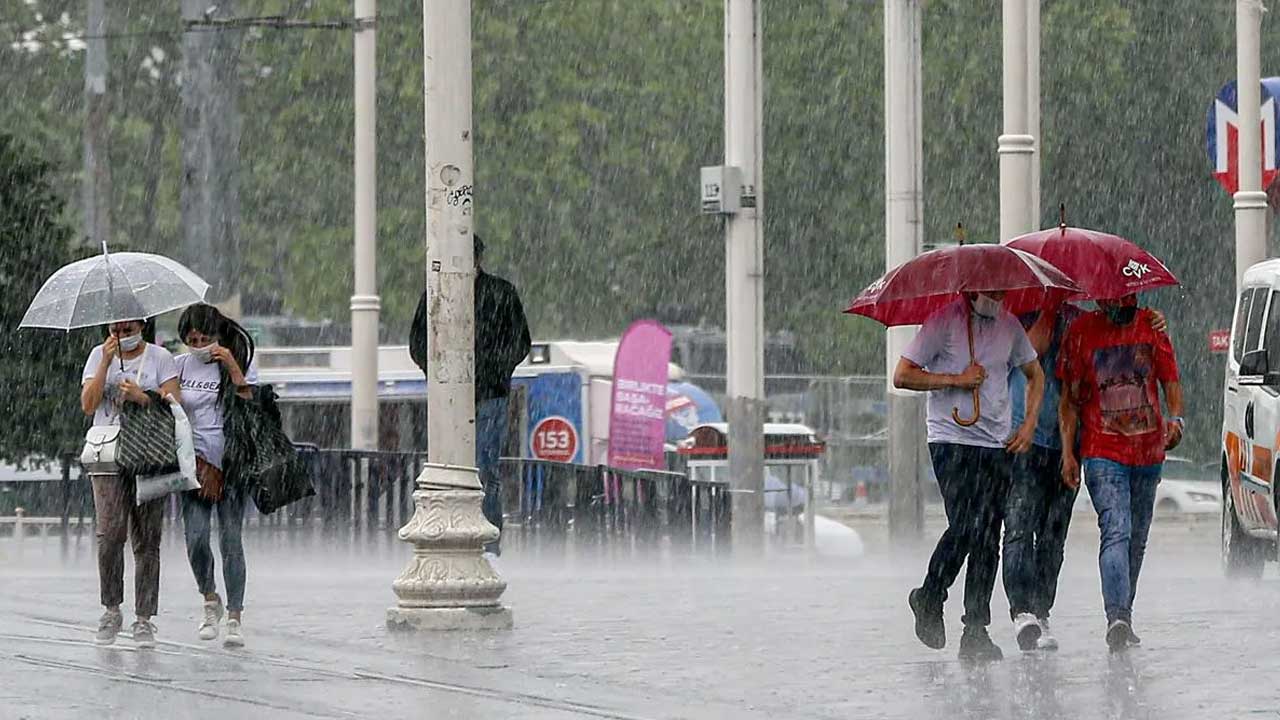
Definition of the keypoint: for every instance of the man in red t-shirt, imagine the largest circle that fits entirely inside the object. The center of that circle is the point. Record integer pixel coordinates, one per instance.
(1113, 365)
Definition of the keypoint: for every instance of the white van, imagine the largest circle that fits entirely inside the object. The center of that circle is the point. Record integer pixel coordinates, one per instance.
(1251, 425)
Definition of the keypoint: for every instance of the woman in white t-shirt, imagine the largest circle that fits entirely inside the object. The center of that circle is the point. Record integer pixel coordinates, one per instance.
(120, 371)
(219, 364)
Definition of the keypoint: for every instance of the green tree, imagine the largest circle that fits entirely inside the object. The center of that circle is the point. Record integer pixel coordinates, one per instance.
(41, 368)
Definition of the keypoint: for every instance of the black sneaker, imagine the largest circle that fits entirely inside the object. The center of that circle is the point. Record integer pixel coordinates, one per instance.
(976, 646)
(930, 627)
(1118, 633)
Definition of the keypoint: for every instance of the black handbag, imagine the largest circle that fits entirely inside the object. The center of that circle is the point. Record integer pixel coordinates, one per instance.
(260, 457)
(147, 445)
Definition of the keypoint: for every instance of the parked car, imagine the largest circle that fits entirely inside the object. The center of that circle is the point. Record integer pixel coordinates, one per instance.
(1251, 425)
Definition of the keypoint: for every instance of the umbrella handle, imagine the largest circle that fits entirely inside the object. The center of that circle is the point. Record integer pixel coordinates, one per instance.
(977, 405)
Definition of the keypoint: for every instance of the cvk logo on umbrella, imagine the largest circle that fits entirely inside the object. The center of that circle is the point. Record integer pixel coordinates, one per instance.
(1135, 270)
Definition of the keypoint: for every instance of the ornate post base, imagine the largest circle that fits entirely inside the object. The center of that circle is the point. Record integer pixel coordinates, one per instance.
(449, 584)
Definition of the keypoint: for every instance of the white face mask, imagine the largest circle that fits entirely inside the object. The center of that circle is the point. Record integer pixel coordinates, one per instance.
(129, 343)
(985, 306)
(204, 354)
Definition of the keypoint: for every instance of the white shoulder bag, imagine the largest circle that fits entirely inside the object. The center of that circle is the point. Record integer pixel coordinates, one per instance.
(99, 454)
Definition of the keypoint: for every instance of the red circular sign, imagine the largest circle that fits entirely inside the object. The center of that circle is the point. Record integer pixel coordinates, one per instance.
(554, 439)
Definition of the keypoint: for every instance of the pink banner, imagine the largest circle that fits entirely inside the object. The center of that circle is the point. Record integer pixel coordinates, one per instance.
(637, 413)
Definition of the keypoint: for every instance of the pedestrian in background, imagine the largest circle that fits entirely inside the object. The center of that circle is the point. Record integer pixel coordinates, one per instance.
(501, 342)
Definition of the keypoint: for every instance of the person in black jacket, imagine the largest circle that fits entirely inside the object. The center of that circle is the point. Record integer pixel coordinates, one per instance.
(502, 342)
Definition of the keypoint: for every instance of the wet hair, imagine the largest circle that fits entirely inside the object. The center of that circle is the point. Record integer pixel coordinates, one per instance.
(208, 320)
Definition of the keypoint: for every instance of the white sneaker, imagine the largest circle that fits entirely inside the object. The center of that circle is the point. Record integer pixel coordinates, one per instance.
(212, 616)
(234, 638)
(1026, 628)
(1047, 641)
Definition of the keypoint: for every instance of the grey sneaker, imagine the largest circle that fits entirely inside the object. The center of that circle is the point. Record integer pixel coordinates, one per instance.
(1118, 635)
(234, 639)
(1047, 641)
(1027, 630)
(108, 627)
(144, 634)
(212, 616)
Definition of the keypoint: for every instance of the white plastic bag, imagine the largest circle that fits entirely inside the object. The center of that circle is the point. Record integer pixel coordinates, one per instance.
(151, 487)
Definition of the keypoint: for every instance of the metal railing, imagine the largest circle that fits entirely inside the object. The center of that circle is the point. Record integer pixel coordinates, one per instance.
(369, 494)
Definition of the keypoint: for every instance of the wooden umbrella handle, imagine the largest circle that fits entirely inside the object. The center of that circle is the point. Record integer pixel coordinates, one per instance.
(977, 405)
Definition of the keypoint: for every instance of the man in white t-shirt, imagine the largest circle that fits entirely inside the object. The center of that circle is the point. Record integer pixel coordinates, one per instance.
(971, 461)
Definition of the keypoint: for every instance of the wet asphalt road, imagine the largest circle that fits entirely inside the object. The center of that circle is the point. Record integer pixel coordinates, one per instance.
(626, 638)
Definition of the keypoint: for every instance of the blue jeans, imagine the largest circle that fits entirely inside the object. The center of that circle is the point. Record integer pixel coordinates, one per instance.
(197, 516)
(491, 434)
(1036, 518)
(1125, 498)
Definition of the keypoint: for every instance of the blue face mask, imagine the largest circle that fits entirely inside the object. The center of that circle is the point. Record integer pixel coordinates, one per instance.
(129, 343)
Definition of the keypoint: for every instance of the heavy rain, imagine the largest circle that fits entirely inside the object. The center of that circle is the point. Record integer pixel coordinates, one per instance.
(257, 460)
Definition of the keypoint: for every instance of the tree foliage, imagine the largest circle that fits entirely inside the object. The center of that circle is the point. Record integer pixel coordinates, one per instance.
(592, 117)
(41, 369)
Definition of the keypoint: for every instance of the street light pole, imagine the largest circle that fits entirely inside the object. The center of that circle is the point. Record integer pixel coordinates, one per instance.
(1033, 106)
(744, 273)
(365, 303)
(1250, 199)
(1016, 146)
(449, 584)
(97, 166)
(904, 236)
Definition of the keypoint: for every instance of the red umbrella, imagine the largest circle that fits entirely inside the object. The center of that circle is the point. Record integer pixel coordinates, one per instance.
(1104, 266)
(911, 292)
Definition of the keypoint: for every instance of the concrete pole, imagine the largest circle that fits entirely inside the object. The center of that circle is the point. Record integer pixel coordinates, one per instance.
(1015, 146)
(448, 584)
(1250, 199)
(904, 237)
(365, 304)
(97, 168)
(1033, 105)
(744, 273)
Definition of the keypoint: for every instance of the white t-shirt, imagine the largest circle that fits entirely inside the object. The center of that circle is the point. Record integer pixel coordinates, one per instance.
(151, 369)
(200, 383)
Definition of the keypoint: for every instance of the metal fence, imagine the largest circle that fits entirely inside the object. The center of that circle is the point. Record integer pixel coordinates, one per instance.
(369, 495)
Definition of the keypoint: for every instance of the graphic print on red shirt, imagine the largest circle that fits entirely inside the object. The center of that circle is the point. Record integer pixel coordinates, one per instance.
(1115, 373)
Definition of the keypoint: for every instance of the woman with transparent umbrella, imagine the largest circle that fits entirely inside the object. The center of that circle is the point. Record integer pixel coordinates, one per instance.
(120, 371)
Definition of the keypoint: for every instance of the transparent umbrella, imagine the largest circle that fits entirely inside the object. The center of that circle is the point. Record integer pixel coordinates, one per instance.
(112, 287)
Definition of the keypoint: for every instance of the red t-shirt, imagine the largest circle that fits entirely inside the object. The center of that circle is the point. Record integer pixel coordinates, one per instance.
(1115, 373)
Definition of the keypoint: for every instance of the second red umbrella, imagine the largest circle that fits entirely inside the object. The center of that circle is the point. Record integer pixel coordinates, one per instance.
(1106, 267)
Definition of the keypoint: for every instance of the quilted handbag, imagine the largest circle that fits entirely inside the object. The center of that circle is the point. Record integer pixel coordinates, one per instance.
(147, 445)
(100, 445)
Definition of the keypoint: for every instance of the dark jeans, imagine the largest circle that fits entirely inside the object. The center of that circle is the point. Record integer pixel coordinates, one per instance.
(491, 433)
(1036, 518)
(197, 519)
(974, 482)
(1125, 498)
(119, 517)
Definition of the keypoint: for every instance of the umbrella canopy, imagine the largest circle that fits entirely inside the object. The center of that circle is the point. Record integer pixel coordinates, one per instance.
(1104, 266)
(688, 406)
(911, 292)
(111, 288)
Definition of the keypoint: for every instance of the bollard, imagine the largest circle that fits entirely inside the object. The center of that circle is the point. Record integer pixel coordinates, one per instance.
(19, 523)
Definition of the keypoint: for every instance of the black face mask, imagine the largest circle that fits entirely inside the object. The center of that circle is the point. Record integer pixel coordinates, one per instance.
(1121, 315)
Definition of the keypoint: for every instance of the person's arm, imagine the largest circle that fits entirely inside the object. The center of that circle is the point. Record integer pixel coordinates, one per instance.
(234, 373)
(1041, 331)
(171, 387)
(910, 376)
(1022, 439)
(519, 343)
(1173, 398)
(418, 335)
(93, 389)
(1068, 425)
